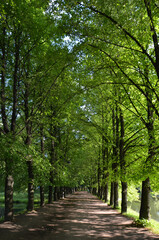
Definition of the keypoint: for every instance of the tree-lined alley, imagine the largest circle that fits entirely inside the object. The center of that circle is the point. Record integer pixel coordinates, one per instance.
(79, 99)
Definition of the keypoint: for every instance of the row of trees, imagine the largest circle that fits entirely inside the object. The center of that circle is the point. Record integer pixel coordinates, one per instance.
(35, 89)
(79, 97)
(122, 53)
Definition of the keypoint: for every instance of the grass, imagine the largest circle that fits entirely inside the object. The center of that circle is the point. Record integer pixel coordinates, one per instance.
(152, 225)
(20, 200)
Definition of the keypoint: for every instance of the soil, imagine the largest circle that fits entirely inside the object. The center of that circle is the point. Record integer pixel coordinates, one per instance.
(79, 216)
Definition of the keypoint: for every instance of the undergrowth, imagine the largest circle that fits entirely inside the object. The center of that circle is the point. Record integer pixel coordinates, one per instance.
(152, 225)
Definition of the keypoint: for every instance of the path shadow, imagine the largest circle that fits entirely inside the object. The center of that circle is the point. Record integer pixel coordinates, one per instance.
(80, 216)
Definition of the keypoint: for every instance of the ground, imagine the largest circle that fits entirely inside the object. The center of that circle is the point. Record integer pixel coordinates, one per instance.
(79, 216)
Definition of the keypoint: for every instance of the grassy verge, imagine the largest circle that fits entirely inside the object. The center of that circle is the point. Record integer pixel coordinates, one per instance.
(152, 225)
(20, 200)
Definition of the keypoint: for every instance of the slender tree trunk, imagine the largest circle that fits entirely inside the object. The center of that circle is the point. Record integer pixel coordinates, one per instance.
(28, 124)
(52, 161)
(123, 166)
(30, 206)
(9, 198)
(115, 119)
(42, 199)
(145, 197)
(124, 197)
(55, 194)
(112, 194)
(58, 193)
(9, 182)
(106, 192)
(99, 175)
(105, 169)
(101, 192)
(116, 195)
(15, 83)
(145, 200)
(105, 176)
(50, 196)
(9, 162)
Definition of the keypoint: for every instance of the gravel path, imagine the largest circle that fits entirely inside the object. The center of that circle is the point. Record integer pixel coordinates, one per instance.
(79, 216)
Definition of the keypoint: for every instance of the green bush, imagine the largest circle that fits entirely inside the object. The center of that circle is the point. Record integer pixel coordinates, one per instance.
(142, 223)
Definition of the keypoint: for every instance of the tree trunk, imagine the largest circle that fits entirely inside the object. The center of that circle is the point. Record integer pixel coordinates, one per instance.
(30, 206)
(15, 82)
(94, 191)
(99, 175)
(42, 199)
(8, 216)
(58, 192)
(112, 194)
(145, 200)
(28, 125)
(115, 124)
(145, 197)
(55, 194)
(123, 165)
(101, 192)
(53, 134)
(9, 198)
(106, 192)
(116, 204)
(42, 202)
(50, 196)
(124, 197)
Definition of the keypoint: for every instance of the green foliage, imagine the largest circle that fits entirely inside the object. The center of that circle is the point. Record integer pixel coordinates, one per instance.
(142, 223)
(133, 194)
(74, 65)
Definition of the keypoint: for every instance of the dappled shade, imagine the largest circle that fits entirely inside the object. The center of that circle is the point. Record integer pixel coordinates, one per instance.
(79, 216)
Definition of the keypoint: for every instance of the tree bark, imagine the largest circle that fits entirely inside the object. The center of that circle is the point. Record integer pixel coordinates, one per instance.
(53, 133)
(9, 162)
(52, 161)
(42, 199)
(116, 195)
(99, 175)
(105, 168)
(124, 197)
(123, 165)
(112, 194)
(9, 198)
(28, 125)
(30, 206)
(115, 119)
(9, 182)
(50, 196)
(105, 192)
(145, 197)
(55, 194)
(15, 82)
(145, 200)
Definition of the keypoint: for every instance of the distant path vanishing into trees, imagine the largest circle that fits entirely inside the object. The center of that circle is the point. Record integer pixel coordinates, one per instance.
(79, 216)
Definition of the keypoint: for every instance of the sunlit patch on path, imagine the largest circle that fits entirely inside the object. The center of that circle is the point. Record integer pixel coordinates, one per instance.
(79, 216)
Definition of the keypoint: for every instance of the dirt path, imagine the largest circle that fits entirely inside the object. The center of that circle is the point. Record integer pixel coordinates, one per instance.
(79, 216)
